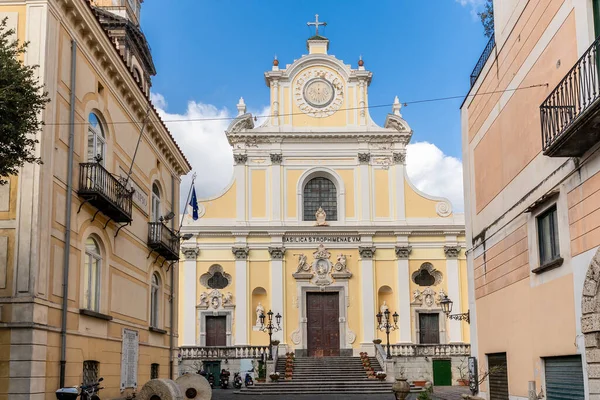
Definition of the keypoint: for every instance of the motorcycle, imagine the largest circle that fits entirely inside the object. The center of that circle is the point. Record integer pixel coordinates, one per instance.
(224, 379)
(237, 380)
(85, 392)
(248, 381)
(211, 379)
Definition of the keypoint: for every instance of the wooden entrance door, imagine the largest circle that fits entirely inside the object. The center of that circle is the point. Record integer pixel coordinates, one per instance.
(323, 327)
(429, 328)
(216, 331)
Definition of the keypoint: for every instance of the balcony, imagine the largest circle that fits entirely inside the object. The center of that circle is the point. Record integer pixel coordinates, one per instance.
(482, 60)
(219, 353)
(103, 191)
(430, 350)
(570, 114)
(163, 240)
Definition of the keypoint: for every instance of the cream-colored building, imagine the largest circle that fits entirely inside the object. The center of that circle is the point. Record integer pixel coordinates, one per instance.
(262, 243)
(116, 321)
(531, 175)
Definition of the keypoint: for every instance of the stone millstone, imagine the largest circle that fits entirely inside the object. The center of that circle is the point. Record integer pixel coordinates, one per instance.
(160, 389)
(194, 386)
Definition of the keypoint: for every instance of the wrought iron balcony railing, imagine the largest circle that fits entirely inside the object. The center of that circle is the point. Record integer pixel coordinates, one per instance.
(102, 190)
(207, 353)
(570, 114)
(483, 59)
(163, 240)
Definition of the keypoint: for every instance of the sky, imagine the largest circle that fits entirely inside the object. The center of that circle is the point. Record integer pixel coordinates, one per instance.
(208, 54)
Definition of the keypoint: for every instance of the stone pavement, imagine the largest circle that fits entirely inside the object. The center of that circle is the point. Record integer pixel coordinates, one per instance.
(440, 393)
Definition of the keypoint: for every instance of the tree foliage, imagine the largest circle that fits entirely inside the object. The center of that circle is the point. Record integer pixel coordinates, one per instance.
(22, 98)
(487, 18)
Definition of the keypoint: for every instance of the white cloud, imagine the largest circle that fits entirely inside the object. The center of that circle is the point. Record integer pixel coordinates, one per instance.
(475, 5)
(435, 173)
(205, 145)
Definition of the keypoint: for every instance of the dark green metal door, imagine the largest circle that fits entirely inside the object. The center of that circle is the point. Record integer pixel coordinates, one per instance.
(442, 373)
(564, 378)
(213, 367)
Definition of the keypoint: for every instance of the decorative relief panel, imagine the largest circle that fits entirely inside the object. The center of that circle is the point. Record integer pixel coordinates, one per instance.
(322, 271)
(216, 300)
(319, 92)
(427, 298)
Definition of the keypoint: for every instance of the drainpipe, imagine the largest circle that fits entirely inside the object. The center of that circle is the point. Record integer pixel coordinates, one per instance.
(67, 249)
(171, 317)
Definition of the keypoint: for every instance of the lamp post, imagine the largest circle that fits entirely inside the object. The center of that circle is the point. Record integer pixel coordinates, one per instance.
(387, 327)
(446, 305)
(270, 328)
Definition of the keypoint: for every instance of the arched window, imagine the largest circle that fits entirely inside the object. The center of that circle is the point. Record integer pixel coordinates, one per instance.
(320, 192)
(217, 281)
(91, 276)
(96, 139)
(154, 300)
(155, 202)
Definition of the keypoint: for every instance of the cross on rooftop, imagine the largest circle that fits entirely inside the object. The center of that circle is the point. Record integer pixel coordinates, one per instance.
(316, 24)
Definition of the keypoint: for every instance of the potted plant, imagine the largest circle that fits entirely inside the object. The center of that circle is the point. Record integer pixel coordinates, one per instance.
(275, 342)
(262, 372)
(274, 376)
(288, 375)
(377, 341)
(381, 375)
(463, 373)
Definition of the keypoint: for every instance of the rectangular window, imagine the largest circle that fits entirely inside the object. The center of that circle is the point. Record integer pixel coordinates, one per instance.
(90, 372)
(154, 371)
(547, 226)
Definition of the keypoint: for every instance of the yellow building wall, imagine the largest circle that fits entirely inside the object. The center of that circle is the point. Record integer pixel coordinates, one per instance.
(418, 206)
(292, 177)
(259, 193)
(348, 178)
(223, 206)
(382, 191)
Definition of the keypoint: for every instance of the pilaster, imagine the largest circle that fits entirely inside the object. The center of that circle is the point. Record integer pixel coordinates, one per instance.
(402, 254)
(452, 250)
(277, 286)
(365, 187)
(399, 160)
(241, 295)
(189, 296)
(239, 172)
(368, 294)
(276, 190)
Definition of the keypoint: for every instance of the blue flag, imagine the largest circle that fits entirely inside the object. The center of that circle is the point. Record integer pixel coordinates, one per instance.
(194, 204)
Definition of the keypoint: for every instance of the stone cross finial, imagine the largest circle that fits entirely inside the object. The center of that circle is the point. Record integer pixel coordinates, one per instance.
(396, 107)
(241, 106)
(316, 24)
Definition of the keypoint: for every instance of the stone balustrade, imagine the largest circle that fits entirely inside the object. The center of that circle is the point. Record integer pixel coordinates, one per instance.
(430, 350)
(204, 353)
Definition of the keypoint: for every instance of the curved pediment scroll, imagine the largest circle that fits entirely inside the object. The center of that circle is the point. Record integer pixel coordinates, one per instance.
(243, 122)
(395, 122)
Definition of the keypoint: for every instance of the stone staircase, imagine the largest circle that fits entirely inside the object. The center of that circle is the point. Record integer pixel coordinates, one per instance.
(327, 375)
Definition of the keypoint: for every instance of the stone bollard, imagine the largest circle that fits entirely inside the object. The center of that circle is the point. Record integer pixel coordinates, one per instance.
(194, 386)
(160, 389)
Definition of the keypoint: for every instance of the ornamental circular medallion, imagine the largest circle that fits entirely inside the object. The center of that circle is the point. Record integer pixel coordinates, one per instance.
(319, 92)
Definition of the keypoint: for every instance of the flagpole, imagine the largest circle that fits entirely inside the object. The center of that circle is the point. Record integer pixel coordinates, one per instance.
(187, 202)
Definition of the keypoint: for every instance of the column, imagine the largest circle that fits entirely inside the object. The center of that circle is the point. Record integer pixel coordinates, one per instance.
(402, 253)
(239, 172)
(368, 296)
(365, 187)
(189, 296)
(277, 284)
(452, 277)
(241, 295)
(276, 159)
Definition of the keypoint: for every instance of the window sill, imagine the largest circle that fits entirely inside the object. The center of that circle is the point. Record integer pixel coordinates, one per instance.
(157, 330)
(95, 314)
(548, 266)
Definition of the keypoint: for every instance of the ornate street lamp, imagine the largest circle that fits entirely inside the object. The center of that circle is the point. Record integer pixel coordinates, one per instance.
(270, 328)
(387, 327)
(446, 305)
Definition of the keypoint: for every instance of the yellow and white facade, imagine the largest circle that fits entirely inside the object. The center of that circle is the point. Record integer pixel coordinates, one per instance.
(261, 242)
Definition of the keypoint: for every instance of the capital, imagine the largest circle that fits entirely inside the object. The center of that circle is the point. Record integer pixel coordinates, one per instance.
(451, 251)
(399, 158)
(190, 253)
(240, 253)
(366, 252)
(364, 158)
(403, 251)
(276, 158)
(240, 158)
(277, 252)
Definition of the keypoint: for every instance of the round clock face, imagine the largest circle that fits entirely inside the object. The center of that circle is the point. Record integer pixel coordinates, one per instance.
(319, 92)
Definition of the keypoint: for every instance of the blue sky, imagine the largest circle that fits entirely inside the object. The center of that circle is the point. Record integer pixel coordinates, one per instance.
(209, 53)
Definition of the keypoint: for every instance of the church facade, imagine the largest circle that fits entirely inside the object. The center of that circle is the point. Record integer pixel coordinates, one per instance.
(321, 225)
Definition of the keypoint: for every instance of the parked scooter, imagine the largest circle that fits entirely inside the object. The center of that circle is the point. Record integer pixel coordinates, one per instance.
(211, 379)
(237, 380)
(224, 379)
(248, 381)
(88, 392)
